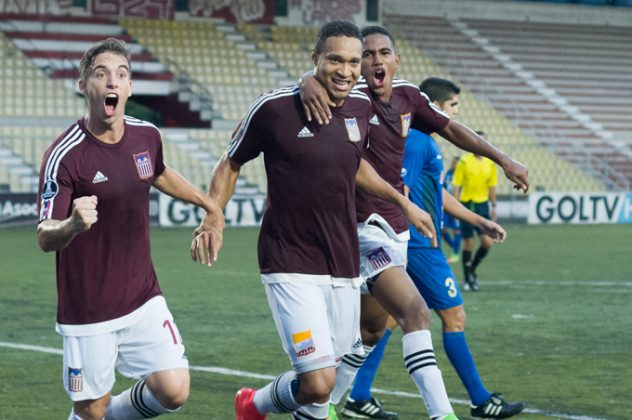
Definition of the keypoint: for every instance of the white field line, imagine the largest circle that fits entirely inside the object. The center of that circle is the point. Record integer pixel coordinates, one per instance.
(250, 375)
(557, 283)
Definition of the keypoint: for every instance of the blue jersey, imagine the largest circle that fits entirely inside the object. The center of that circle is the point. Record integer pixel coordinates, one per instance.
(447, 180)
(422, 173)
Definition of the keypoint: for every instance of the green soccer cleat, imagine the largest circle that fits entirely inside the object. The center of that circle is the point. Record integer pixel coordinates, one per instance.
(332, 412)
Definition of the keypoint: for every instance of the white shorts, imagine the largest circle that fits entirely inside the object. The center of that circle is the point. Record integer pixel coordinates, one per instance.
(318, 324)
(380, 247)
(149, 344)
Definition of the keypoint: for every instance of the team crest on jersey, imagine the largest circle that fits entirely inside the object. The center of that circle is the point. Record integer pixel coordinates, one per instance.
(353, 129)
(143, 165)
(75, 380)
(405, 120)
(379, 258)
(303, 343)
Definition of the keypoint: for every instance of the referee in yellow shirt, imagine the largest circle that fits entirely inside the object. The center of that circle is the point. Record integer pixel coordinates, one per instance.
(474, 184)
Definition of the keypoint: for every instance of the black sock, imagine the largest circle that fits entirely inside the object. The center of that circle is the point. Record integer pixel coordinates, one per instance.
(480, 254)
(465, 260)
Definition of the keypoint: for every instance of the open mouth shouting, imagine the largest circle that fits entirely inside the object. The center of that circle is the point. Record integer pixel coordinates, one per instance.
(378, 78)
(111, 101)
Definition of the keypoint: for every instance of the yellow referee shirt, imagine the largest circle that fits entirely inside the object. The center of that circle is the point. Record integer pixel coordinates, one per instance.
(475, 176)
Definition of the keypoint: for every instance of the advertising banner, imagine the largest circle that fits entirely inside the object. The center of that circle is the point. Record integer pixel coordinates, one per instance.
(580, 208)
(240, 211)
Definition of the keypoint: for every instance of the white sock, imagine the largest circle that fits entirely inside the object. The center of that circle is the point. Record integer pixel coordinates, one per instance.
(277, 397)
(312, 412)
(421, 364)
(134, 404)
(346, 373)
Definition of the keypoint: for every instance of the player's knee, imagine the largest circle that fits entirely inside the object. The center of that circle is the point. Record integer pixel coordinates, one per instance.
(89, 410)
(371, 334)
(453, 319)
(174, 393)
(316, 388)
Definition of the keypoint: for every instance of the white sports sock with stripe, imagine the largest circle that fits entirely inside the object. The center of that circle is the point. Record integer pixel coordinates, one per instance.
(421, 364)
(135, 403)
(312, 412)
(346, 373)
(277, 397)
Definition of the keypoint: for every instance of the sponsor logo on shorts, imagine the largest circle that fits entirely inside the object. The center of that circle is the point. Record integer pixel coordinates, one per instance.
(303, 343)
(357, 344)
(379, 258)
(75, 380)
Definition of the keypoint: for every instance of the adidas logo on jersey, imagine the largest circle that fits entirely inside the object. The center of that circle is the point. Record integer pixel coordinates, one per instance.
(99, 177)
(304, 133)
(374, 120)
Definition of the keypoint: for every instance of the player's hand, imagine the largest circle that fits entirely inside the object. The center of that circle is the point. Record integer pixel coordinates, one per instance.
(422, 222)
(315, 100)
(84, 213)
(208, 238)
(517, 173)
(493, 230)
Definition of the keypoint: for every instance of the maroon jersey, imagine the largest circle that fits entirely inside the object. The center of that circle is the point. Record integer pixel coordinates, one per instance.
(309, 225)
(105, 272)
(408, 108)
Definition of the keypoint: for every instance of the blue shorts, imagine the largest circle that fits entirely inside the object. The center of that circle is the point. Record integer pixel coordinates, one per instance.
(431, 273)
(450, 222)
(482, 209)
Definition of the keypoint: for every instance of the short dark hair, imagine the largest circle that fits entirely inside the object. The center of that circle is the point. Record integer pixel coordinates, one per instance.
(380, 30)
(333, 29)
(112, 45)
(439, 89)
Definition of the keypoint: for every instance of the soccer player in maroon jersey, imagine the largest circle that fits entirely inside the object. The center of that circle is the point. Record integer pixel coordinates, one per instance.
(308, 234)
(94, 212)
(398, 106)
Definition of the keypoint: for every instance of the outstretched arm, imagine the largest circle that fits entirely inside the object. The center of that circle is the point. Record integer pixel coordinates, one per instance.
(464, 138)
(454, 208)
(208, 236)
(369, 180)
(54, 235)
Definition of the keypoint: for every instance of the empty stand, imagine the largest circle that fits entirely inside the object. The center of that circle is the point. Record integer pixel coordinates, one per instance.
(491, 59)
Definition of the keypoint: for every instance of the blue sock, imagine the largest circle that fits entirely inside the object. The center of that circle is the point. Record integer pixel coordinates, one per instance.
(448, 239)
(364, 379)
(459, 354)
(457, 243)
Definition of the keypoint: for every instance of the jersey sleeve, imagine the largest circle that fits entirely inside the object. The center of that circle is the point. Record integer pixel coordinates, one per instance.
(247, 140)
(415, 154)
(54, 191)
(160, 162)
(428, 118)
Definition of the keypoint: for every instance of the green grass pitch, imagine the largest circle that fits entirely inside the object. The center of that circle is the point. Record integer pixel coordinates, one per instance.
(551, 325)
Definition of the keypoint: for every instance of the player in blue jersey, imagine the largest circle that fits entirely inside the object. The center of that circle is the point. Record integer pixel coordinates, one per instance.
(451, 231)
(427, 265)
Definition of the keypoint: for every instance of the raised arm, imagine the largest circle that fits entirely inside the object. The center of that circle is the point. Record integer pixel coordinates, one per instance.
(368, 180)
(490, 228)
(54, 235)
(466, 139)
(210, 232)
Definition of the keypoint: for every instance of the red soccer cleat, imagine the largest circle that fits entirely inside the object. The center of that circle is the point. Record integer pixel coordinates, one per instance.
(245, 407)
